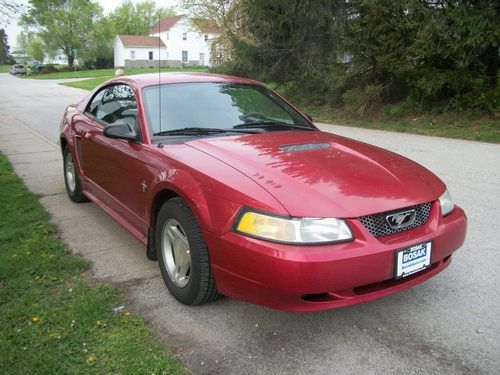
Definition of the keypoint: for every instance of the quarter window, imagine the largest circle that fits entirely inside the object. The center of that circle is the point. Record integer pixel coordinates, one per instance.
(94, 105)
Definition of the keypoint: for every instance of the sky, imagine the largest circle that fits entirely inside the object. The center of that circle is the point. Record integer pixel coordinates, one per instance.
(13, 29)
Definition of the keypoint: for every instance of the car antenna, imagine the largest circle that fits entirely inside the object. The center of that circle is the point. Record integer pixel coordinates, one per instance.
(159, 70)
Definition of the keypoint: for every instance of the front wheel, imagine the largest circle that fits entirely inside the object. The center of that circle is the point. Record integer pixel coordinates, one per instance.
(183, 255)
(71, 179)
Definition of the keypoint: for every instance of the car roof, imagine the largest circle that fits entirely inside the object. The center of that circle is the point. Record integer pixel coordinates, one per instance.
(150, 79)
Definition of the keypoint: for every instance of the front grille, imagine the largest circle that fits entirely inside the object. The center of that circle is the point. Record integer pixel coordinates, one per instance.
(378, 226)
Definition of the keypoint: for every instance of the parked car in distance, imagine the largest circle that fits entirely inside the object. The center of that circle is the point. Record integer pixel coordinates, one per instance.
(18, 69)
(235, 192)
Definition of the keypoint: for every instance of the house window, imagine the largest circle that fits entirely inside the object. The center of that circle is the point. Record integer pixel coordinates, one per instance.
(132, 55)
(184, 36)
(206, 37)
(184, 57)
(168, 36)
(150, 55)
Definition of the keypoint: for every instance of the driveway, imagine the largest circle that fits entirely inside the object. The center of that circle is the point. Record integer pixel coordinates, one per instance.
(448, 325)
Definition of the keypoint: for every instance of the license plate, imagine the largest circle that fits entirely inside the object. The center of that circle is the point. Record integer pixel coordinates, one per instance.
(413, 259)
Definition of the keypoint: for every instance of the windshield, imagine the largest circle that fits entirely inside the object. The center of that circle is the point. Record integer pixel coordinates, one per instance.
(217, 106)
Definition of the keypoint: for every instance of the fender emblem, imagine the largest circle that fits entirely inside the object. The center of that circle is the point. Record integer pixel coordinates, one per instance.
(143, 186)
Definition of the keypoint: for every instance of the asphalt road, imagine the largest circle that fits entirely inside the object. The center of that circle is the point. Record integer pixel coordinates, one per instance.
(448, 325)
(37, 103)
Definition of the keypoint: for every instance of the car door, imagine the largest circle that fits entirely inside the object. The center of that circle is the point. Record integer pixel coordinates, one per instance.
(113, 167)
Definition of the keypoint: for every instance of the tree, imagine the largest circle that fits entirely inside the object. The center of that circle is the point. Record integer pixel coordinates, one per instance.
(22, 44)
(99, 53)
(439, 54)
(63, 24)
(436, 52)
(294, 42)
(30, 45)
(36, 49)
(8, 9)
(135, 19)
(5, 57)
(227, 14)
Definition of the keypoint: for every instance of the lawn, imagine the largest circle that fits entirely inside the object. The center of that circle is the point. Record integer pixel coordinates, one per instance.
(107, 73)
(52, 319)
(4, 68)
(87, 84)
(103, 75)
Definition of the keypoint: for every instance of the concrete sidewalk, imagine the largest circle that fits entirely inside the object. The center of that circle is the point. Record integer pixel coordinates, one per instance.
(117, 257)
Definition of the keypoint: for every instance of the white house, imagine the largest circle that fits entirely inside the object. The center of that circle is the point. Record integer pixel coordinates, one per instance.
(139, 51)
(179, 41)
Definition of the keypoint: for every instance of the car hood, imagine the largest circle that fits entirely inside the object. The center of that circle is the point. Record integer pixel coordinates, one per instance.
(318, 174)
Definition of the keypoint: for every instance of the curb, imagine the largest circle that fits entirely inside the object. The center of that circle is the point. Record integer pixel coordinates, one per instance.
(46, 140)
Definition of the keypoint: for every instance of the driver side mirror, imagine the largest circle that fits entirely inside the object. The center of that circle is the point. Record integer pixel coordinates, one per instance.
(121, 131)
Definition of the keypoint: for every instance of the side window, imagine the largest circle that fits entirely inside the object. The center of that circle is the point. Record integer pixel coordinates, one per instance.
(117, 105)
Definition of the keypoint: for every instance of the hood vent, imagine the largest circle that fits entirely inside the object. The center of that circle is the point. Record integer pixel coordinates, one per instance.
(306, 147)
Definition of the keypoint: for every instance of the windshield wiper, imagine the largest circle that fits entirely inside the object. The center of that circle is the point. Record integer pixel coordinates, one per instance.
(202, 131)
(269, 124)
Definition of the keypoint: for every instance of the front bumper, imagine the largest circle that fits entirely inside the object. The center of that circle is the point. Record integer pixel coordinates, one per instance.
(309, 278)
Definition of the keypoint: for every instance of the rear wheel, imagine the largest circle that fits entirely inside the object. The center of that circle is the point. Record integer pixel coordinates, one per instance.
(183, 255)
(71, 178)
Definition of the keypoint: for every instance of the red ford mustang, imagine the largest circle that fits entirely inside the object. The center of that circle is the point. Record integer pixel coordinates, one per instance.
(235, 192)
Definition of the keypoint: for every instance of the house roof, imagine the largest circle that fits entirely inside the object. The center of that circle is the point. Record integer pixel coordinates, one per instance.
(204, 25)
(165, 24)
(141, 41)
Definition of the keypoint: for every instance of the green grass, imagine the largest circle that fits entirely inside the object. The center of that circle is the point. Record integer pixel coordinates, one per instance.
(87, 84)
(90, 84)
(52, 321)
(479, 128)
(4, 68)
(106, 73)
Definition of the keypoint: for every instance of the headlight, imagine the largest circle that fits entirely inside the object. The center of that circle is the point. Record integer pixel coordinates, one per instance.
(446, 203)
(298, 231)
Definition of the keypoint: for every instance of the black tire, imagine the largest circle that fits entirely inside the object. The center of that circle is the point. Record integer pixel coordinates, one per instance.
(201, 287)
(74, 194)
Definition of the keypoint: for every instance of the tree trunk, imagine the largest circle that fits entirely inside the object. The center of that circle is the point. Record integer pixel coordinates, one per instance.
(490, 59)
(71, 59)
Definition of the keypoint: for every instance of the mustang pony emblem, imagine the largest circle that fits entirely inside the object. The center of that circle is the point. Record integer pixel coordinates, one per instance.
(401, 219)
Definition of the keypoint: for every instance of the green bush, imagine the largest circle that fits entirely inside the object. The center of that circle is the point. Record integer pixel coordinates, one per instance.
(48, 69)
(404, 108)
(361, 100)
(69, 69)
(392, 53)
